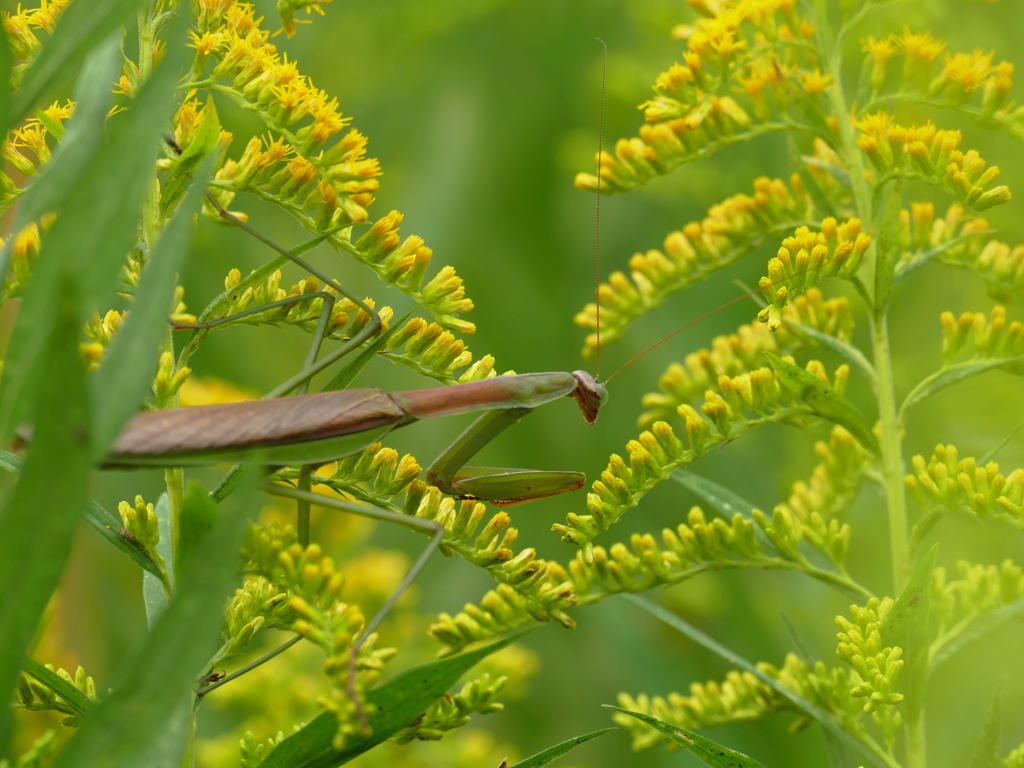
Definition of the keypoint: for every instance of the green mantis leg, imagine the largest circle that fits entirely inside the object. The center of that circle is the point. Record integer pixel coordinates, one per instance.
(502, 487)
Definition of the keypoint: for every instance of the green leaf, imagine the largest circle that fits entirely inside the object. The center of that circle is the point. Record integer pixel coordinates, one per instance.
(975, 630)
(831, 726)
(709, 752)
(887, 244)
(907, 267)
(154, 592)
(848, 352)
(396, 705)
(104, 522)
(986, 752)
(551, 754)
(951, 375)
(198, 517)
(38, 522)
(203, 147)
(144, 722)
(97, 226)
(121, 383)
(74, 698)
(907, 627)
(81, 28)
(824, 401)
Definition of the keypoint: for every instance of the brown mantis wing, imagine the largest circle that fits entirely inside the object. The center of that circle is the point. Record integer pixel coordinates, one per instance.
(299, 429)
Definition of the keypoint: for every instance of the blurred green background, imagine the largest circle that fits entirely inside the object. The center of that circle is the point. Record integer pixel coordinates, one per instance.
(481, 113)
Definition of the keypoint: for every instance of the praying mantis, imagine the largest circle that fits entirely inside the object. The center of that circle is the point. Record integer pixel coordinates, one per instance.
(313, 429)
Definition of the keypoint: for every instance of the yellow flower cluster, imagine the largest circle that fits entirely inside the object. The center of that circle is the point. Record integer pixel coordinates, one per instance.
(731, 229)
(333, 185)
(698, 546)
(946, 482)
(808, 257)
(757, 46)
(27, 148)
(35, 695)
(404, 263)
(991, 338)
(834, 485)
(744, 351)
(980, 590)
(24, 251)
(740, 403)
(955, 79)
(19, 25)
(928, 153)
(530, 589)
(742, 697)
(878, 665)
(956, 240)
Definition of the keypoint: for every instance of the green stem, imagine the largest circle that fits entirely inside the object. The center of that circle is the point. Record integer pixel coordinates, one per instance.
(248, 667)
(892, 462)
(302, 506)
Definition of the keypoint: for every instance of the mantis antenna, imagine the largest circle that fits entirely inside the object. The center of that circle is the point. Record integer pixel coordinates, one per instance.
(597, 233)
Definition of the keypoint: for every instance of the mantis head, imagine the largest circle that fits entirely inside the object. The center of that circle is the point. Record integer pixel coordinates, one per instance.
(590, 394)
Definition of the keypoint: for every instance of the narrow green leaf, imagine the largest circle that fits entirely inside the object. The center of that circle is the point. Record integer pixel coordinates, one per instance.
(887, 244)
(37, 523)
(987, 749)
(824, 401)
(145, 720)
(198, 518)
(154, 594)
(951, 375)
(907, 627)
(822, 202)
(907, 267)
(848, 352)
(105, 523)
(977, 629)
(81, 28)
(97, 226)
(397, 704)
(799, 702)
(74, 698)
(551, 754)
(121, 383)
(709, 752)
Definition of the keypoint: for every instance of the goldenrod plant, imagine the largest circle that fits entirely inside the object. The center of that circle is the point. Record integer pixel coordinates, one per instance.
(872, 165)
(134, 129)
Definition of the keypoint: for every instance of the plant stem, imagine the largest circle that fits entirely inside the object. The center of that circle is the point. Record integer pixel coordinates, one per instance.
(892, 462)
(249, 667)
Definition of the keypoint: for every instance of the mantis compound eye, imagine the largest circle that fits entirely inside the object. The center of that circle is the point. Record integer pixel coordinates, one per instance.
(590, 394)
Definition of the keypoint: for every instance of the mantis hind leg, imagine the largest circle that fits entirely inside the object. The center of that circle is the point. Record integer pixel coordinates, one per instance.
(326, 312)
